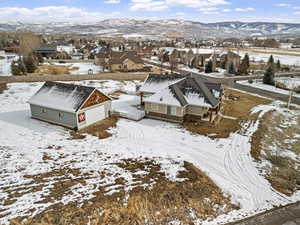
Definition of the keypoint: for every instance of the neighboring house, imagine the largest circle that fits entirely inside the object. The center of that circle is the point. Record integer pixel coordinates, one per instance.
(181, 97)
(120, 61)
(47, 51)
(228, 58)
(66, 48)
(69, 105)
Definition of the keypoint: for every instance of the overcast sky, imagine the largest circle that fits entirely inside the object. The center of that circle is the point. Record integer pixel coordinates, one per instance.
(196, 10)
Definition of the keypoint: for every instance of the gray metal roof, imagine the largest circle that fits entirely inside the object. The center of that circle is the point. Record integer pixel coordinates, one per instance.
(61, 96)
(195, 85)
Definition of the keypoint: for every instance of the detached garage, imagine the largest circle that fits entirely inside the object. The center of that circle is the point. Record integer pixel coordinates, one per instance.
(69, 105)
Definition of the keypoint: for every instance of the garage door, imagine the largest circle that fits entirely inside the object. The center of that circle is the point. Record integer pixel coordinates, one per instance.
(94, 115)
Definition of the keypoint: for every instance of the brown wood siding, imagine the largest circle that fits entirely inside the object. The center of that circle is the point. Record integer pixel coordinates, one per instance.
(96, 98)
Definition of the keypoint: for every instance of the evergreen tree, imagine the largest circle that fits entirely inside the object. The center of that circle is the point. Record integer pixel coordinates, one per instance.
(271, 62)
(22, 66)
(231, 69)
(278, 65)
(209, 67)
(15, 69)
(30, 63)
(243, 69)
(269, 76)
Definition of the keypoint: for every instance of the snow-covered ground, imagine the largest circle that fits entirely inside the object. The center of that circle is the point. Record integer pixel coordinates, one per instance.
(24, 141)
(259, 84)
(284, 59)
(290, 82)
(83, 68)
(220, 74)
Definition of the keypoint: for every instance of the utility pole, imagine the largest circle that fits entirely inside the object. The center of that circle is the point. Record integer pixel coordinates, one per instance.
(291, 95)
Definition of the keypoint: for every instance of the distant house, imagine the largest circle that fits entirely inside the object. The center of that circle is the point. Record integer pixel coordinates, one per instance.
(46, 51)
(225, 59)
(120, 61)
(66, 48)
(180, 97)
(69, 105)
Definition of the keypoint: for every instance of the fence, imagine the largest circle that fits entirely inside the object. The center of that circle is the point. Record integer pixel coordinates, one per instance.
(44, 78)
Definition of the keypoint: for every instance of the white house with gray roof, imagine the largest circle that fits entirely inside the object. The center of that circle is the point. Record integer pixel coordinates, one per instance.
(176, 98)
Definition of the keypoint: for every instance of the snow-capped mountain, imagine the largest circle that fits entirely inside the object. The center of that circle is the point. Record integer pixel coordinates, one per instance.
(161, 28)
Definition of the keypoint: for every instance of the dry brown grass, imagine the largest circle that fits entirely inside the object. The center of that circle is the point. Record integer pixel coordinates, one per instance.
(3, 87)
(236, 104)
(166, 201)
(55, 69)
(284, 175)
(99, 129)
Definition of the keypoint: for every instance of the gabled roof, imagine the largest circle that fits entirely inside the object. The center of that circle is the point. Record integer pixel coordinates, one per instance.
(189, 91)
(157, 82)
(61, 96)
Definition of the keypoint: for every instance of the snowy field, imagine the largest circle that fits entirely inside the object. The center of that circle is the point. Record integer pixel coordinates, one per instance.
(25, 141)
(284, 59)
(83, 68)
(290, 82)
(260, 85)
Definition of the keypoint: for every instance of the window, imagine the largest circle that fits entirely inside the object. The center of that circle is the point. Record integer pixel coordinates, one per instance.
(154, 107)
(172, 110)
(43, 110)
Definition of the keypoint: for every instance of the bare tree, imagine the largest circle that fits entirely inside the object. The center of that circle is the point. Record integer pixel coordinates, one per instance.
(28, 42)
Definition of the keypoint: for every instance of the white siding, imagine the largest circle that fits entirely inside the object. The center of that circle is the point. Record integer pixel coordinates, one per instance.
(95, 114)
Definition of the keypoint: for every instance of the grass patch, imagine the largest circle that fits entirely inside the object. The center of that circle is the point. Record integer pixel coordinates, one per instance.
(99, 129)
(196, 197)
(3, 87)
(55, 69)
(236, 104)
(276, 136)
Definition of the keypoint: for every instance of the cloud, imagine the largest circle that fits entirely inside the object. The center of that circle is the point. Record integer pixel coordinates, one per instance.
(282, 5)
(148, 5)
(112, 1)
(209, 10)
(297, 13)
(51, 13)
(198, 3)
(226, 10)
(159, 5)
(244, 9)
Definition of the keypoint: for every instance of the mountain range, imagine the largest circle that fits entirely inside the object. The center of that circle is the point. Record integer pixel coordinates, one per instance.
(162, 28)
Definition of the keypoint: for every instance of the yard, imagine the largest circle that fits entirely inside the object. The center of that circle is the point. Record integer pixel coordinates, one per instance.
(276, 146)
(68, 68)
(147, 171)
(236, 110)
